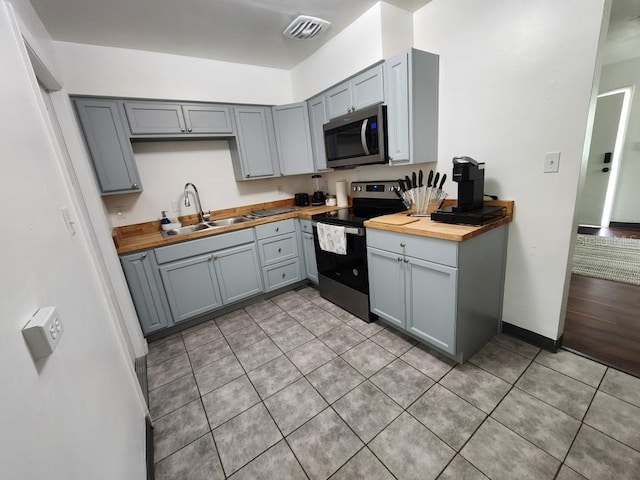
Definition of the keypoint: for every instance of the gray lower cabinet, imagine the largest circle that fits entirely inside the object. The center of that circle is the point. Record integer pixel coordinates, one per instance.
(191, 286)
(363, 90)
(317, 118)
(253, 150)
(444, 293)
(170, 118)
(411, 96)
(279, 255)
(109, 145)
(308, 250)
(200, 284)
(293, 138)
(148, 297)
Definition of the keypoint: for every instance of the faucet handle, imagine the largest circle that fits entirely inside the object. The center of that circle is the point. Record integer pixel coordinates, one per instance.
(206, 216)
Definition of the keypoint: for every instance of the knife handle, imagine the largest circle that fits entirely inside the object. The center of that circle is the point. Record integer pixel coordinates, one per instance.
(435, 179)
(444, 177)
(420, 178)
(430, 179)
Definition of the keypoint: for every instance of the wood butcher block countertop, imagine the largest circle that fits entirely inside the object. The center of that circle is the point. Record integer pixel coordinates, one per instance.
(142, 236)
(424, 226)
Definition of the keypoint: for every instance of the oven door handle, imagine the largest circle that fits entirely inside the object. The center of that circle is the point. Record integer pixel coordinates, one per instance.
(348, 230)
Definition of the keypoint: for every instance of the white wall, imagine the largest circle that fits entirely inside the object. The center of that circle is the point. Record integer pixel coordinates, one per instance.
(109, 71)
(165, 167)
(396, 29)
(627, 200)
(354, 49)
(515, 82)
(76, 414)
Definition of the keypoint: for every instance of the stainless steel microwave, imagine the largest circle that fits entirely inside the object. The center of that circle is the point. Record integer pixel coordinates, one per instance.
(358, 138)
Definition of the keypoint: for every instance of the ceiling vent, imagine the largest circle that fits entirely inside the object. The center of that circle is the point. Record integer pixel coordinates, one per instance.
(306, 28)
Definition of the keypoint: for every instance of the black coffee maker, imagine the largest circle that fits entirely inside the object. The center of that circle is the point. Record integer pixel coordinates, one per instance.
(470, 210)
(469, 174)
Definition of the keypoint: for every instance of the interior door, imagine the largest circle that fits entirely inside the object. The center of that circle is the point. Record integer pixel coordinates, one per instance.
(605, 129)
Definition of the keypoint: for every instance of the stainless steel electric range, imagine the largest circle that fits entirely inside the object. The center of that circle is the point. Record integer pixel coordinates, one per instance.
(343, 278)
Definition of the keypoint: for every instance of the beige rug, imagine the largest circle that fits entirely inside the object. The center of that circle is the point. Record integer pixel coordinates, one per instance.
(616, 259)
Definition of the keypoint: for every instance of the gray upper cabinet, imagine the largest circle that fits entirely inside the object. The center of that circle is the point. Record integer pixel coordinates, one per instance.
(109, 145)
(317, 118)
(209, 118)
(293, 138)
(141, 272)
(411, 96)
(158, 118)
(253, 150)
(363, 90)
(154, 118)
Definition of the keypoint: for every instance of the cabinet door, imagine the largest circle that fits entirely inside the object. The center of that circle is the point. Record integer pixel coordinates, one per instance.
(431, 302)
(109, 145)
(386, 285)
(191, 287)
(147, 295)
(255, 141)
(293, 138)
(397, 99)
(215, 119)
(152, 118)
(238, 272)
(338, 100)
(310, 257)
(317, 118)
(367, 88)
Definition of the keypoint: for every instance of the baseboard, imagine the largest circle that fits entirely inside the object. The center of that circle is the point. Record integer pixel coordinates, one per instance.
(533, 338)
(628, 225)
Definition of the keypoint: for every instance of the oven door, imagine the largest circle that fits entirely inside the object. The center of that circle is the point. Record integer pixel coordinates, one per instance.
(349, 269)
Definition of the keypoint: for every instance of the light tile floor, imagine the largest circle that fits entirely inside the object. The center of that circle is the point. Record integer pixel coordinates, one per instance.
(295, 387)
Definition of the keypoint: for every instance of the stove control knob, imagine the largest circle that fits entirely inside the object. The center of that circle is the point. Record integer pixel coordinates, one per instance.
(359, 189)
(354, 188)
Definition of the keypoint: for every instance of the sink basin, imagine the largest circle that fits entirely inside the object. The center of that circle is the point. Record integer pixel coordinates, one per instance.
(184, 230)
(227, 221)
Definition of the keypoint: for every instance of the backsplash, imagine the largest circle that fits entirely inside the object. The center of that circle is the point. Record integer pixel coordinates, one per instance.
(165, 166)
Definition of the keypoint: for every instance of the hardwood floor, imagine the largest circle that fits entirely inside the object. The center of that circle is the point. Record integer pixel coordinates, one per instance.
(603, 317)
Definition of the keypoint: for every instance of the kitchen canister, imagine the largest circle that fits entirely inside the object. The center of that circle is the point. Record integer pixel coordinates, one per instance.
(341, 193)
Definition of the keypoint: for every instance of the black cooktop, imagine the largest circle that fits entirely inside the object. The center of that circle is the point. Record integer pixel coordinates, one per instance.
(342, 216)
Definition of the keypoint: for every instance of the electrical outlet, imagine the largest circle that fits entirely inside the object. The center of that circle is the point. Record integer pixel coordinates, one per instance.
(551, 162)
(43, 331)
(120, 212)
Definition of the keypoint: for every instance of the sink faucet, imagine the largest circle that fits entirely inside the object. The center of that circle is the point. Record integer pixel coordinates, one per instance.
(203, 217)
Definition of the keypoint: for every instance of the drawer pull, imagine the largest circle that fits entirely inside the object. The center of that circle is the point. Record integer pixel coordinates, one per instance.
(284, 275)
(279, 250)
(277, 229)
(399, 259)
(143, 256)
(402, 244)
(406, 260)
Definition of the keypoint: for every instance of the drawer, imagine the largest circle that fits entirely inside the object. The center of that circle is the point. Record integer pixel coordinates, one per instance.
(281, 274)
(305, 225)
(200, 246)
(278, 249)
(436, 250)
(275, 228)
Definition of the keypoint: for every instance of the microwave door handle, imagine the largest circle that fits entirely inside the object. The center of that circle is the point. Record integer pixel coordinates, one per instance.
(363, 136)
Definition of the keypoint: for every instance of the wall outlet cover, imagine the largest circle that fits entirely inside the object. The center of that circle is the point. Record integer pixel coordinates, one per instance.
(43, 332)
(551, 162)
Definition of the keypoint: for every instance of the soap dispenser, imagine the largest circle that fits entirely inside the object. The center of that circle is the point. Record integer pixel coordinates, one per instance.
(164, 220)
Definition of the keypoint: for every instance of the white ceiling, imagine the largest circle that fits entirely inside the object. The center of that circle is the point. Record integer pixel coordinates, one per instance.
(242, 31)
(623, 36)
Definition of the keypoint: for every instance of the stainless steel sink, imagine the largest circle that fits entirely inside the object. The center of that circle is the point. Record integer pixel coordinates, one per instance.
(227, 221)
(184, 230)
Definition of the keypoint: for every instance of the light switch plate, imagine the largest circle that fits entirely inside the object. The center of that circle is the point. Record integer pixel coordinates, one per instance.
(551, 162)
(43, 331)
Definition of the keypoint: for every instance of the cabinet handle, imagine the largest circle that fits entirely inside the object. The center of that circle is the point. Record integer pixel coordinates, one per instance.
(143, 256)
(182, 130)
(279, 250)
(406, 260)
(402, 244)
(134, 186)
(399, 259)
(277, 229)
(189, 130)
(283, 275)
(211, 258)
